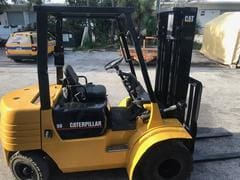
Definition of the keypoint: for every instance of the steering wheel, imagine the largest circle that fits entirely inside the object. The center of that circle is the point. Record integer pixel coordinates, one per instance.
(113, 64)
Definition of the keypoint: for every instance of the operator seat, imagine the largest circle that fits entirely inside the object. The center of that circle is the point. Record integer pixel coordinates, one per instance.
(93, 92)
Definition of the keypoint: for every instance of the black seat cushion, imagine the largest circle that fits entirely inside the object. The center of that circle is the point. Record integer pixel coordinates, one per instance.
(94, 92)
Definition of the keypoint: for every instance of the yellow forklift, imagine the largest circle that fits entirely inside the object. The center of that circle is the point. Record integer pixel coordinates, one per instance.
(71, 124)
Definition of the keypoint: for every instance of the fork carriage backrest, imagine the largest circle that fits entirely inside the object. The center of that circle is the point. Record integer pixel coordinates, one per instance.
(176, 34)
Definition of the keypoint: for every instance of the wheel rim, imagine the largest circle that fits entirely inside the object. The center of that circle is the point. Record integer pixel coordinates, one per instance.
(24, 171)
(169, 168)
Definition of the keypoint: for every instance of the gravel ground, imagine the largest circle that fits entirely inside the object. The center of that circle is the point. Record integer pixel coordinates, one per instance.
(220, 108)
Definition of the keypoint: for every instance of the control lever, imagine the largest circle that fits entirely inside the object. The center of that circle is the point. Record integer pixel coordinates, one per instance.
(179, 105)
(138, 103)
(145, 116)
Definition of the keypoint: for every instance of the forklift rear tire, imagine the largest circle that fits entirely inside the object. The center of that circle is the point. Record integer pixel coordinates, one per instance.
(169, 160)
(29, 166)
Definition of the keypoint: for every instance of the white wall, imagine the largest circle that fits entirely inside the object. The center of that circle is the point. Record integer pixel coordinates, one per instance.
(206, 15)
(5, 27)
(5, 31)
(19, 15)
(26, 18)
(213, 10)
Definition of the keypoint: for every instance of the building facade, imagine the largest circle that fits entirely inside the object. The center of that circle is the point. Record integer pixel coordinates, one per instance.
(15, 17)
(207, 9)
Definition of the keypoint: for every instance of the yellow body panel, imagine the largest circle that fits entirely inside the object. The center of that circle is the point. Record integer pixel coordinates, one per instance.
(20, 118)
(123, 103)
(21, 129)
(24, 49)
(86, 153)
(20, 52)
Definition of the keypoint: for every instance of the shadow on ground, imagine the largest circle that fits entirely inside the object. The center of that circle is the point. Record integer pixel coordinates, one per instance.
(116, 174)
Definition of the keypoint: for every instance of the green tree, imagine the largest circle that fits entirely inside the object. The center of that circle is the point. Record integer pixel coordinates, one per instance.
(144, 16)
(104, 30)
(100, 28)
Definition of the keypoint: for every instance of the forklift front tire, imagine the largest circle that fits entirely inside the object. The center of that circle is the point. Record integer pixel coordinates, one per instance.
(29, 166)
(169, 160)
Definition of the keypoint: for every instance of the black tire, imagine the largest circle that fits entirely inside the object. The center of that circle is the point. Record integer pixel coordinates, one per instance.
(169, 160)
(29, 166)
(17, 60)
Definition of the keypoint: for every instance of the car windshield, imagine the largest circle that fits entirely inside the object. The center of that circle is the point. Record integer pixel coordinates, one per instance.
(19, 39)
(34, 38)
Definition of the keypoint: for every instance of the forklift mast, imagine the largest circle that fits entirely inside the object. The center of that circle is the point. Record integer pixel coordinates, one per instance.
(173, 85)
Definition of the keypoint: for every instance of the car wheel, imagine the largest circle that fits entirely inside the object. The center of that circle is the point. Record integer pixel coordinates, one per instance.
(169, 160)
(17, 60)
(29, 166)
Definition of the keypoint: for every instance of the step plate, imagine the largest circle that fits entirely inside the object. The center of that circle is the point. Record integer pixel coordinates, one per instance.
(117, 148)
